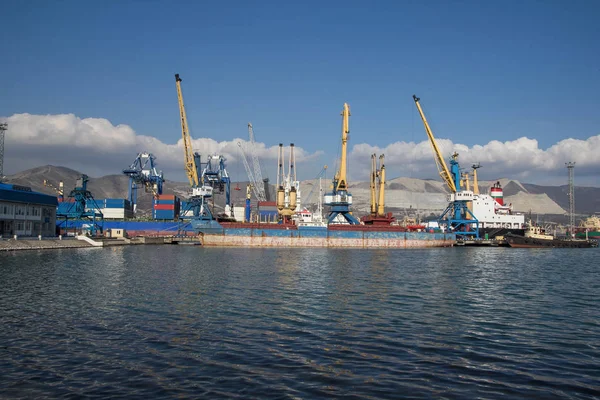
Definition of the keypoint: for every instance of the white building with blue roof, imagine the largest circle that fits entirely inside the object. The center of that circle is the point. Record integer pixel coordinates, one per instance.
(24, 212)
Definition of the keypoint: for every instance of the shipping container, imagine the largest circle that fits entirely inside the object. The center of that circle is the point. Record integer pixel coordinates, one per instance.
(267, 204)
(164, 214)
(165, 202)
(117, 213)
(166, 197)
(165, 207)
(267, 208)
(116, 203)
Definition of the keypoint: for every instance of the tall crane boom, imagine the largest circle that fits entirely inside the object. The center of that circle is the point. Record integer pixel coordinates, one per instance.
(190, 165)
(373, 185)
(381, 200)
(256, 164)
(341, 178)
(439, 159)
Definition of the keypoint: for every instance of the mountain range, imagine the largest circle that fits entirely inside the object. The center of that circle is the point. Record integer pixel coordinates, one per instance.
(403, 194)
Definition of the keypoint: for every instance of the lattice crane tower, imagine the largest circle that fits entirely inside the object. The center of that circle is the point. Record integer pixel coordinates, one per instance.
(571, 168)
(3, 128)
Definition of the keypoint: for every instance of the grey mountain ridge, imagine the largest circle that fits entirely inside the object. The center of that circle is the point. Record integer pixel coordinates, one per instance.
(425, 195)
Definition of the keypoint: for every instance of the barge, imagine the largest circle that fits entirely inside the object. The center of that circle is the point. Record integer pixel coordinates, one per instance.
(331, 236)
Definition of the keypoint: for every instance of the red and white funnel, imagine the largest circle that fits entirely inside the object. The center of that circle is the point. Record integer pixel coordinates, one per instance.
(497, 193)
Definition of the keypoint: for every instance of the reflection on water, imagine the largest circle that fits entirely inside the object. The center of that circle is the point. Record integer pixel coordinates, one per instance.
(170, 321)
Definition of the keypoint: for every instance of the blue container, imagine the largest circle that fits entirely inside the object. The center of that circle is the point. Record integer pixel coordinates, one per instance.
(164, 201)
(116, 203)
(164, 214)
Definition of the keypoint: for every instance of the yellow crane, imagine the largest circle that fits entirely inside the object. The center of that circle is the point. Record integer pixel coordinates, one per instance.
(377, 186)
(341, 175)
(378, 216)
(381, 202)
(373, 185)
(439, 159)
(339, 200)
(60, 190)
(475, 179)
(458, 216)
(190, 165)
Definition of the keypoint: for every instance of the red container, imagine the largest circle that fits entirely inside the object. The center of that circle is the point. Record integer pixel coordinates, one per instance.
(164, 206)
(166, 197)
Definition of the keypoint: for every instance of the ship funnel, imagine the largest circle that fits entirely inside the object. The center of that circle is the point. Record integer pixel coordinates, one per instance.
(497, 193)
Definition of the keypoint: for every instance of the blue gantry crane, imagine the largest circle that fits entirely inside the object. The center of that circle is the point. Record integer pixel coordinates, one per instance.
(215, 175)
(339, 200)
(457, 217)
(143, 172)
(80, 205)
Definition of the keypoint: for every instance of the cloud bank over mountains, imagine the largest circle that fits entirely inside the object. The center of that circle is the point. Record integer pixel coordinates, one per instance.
(97, 147)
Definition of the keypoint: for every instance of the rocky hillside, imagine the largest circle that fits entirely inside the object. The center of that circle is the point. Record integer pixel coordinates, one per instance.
(427, 196)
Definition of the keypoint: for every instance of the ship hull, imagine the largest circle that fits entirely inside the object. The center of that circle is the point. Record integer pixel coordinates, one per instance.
(591, 235)
(493, 232)
(528, 242)
(322, 237)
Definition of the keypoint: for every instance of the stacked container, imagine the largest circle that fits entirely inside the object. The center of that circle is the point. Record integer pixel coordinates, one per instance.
(238, 213)
(267, 211)
(112, 208)
(166, 207)
(117, 209)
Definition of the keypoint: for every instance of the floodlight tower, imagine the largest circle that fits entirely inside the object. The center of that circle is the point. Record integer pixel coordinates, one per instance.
(571, 168)
(3, 128)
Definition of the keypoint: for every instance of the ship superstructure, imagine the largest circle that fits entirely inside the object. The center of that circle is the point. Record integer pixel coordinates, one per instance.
(496, 218)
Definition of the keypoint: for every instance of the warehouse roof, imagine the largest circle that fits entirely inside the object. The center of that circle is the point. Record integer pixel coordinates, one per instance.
(24, 194)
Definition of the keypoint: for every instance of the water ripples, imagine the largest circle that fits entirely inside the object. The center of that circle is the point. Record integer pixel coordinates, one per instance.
(167, 322)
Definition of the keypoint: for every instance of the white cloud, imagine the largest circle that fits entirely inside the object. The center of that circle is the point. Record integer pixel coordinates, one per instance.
(519, 159)
(97, 147)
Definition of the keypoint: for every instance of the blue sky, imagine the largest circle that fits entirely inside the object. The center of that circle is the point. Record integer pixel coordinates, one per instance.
(484, 70)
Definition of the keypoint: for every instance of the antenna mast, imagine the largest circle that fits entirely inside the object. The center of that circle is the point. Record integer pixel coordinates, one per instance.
(571, 168)
(3, 128)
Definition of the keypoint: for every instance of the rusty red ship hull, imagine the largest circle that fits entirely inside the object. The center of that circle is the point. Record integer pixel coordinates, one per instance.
(352, 236)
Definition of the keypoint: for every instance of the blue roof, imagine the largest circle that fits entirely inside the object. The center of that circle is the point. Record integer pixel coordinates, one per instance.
(24, 194)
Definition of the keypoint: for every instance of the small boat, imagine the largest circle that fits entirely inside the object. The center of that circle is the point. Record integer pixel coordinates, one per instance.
(536, 236)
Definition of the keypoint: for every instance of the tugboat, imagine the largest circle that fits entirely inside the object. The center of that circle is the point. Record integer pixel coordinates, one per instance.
(536, 236)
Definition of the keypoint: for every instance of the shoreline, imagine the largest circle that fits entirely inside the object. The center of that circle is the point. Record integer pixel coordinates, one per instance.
(7, 245)
(80, 242)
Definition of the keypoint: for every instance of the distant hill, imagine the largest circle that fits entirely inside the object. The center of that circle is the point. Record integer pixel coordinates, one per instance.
(425, 195)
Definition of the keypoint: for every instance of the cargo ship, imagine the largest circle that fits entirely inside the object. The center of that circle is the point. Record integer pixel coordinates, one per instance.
(536, 237)
(589, 228)
(213, 233)
(496, 218)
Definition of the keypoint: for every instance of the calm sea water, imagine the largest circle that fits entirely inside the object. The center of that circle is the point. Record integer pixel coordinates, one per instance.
(168, 321)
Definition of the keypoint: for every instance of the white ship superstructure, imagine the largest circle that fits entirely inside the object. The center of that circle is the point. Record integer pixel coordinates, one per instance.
(491, 212)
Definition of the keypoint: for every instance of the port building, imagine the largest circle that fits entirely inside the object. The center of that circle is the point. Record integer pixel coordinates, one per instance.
(24, 212)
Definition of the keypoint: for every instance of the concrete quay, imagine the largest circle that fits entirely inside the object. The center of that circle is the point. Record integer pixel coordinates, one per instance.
(29, 243)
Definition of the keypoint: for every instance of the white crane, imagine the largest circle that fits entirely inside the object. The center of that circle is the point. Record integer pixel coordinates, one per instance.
(251, 177)
(259, 183)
